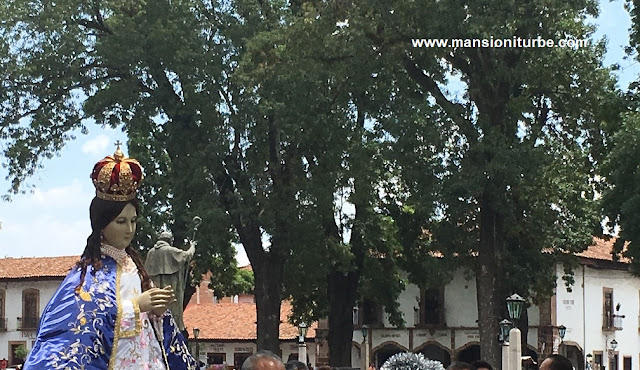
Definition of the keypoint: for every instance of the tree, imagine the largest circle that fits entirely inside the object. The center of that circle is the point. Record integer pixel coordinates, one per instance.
(508, 164)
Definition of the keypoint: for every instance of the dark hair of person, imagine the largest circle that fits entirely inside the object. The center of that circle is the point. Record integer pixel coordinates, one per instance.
(295, 365)
(460, 366)
(559, 362)
(252, 361)
(101, 213)
(482, 365)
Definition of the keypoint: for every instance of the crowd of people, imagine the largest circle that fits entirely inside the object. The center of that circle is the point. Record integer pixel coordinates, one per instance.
(265, 360)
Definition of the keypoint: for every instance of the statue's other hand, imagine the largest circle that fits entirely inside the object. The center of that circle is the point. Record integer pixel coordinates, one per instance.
(155, 300)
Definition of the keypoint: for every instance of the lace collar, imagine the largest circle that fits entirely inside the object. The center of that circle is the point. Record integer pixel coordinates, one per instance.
(119, 255)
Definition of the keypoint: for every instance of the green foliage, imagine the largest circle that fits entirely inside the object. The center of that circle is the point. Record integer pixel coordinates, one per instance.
(21, 352)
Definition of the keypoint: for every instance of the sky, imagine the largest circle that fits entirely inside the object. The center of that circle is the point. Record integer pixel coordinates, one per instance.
(53, 220)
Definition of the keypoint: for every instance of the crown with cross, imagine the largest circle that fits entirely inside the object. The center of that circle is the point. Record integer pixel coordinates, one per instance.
(117, 177)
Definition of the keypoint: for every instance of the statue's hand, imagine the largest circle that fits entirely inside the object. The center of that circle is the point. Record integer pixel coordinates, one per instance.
(193, 244)
(156, 300)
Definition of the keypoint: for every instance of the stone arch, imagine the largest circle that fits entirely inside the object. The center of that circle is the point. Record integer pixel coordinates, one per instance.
(469, 352)
(384, 350)
(573, 351)
(435, 351)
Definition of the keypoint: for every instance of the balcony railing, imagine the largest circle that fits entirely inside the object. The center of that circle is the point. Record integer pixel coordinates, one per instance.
(3, 324)
(28, 323)
(611, 321)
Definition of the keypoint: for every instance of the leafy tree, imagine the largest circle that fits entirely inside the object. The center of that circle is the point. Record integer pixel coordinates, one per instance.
(509, 165)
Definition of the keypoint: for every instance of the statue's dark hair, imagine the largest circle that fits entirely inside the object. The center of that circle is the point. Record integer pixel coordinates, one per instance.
(101, 213)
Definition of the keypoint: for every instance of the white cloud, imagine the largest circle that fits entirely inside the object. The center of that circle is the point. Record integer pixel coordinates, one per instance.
(96, 146)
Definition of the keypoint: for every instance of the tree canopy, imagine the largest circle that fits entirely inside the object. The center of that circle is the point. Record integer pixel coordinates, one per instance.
(264, 117)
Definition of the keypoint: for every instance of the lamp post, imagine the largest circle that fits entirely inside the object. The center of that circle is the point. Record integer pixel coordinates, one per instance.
(589, 361)
(302, 345)
(505, 326)
(365, 349)
(612, 354)
(196, 333)
(515, 306)
(562, 330)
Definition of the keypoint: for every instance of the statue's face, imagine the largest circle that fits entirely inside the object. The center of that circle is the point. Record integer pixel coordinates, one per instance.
(121, 230)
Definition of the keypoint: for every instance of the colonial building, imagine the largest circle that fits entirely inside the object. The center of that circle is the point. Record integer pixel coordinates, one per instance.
(26, 285)
(600, 312)
(227, 328)
(603, 305)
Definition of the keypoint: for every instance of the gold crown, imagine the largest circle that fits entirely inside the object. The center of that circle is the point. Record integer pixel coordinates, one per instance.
(117, 177)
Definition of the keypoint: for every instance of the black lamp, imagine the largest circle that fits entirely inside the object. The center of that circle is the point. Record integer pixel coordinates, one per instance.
(505, 327)
(302, 331)
(515, 305)
(562, 330)
(365, 331)
(196, 333)
(614, 344)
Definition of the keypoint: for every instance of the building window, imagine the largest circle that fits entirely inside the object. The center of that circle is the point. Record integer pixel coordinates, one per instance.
(613, 362)
(432, 307)
(216, 358)
(597, 360)
(369, 313)
(3, 318)
(30, 309)
(611, 320)
(626, 363)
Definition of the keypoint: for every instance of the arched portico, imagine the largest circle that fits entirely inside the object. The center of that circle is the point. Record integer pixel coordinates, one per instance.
(435, 351)
(382, 352)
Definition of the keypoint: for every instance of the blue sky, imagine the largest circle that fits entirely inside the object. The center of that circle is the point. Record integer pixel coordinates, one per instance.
(54, 219)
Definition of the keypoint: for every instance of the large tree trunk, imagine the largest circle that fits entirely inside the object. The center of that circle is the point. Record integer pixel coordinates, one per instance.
(487, 286)
(342, 296)
(268, 282)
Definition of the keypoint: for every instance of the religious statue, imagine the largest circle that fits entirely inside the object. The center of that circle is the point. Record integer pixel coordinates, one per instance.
(107, 313)
(168, 266)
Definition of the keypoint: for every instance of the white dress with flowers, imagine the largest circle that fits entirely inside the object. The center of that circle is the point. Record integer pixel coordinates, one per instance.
(137, 347)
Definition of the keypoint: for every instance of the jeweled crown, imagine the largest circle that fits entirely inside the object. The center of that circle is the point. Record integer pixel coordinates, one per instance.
(117, 177)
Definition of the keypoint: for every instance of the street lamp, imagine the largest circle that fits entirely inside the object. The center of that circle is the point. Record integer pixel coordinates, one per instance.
(365, 349)
(562, 330)
(302, 345)
(589, 361)
(196, 333)
(614, 344)
(515, 306)
(505, 326)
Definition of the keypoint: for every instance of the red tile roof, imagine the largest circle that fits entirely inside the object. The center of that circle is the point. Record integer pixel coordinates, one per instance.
(235, 321)
(601, 250)
(20, 268)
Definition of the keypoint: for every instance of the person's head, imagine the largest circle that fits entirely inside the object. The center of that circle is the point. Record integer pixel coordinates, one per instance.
(460, 366)
(482, 365)
(166, 236)
(113, 212)
(295, 365)
(263, 360)
(115, 222)
(556, 362)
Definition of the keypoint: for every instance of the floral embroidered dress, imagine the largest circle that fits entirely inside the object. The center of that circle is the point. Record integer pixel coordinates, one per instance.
(100, 326)
(136, 346)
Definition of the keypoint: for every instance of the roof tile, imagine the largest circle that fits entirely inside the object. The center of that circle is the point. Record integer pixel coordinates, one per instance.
(29, 267)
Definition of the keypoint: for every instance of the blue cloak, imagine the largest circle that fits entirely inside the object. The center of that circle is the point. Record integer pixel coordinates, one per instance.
(78, 329)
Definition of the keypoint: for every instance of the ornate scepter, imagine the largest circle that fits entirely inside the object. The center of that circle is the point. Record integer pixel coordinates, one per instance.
(197, 221)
